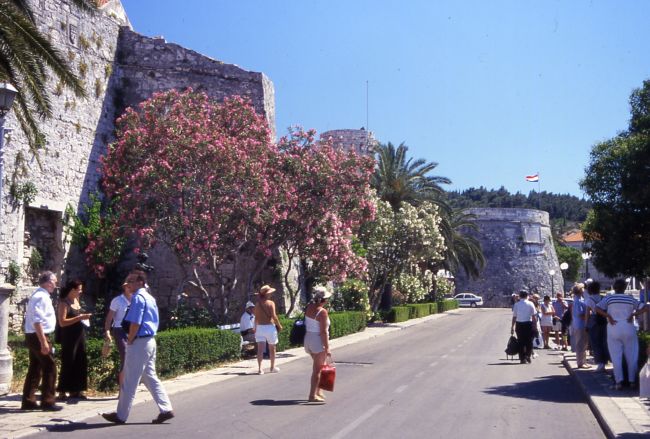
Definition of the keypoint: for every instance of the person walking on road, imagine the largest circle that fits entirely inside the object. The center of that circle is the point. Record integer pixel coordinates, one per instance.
(140, 361)
(267, 326)
(524, 317)
(317, 323)
(548, 312)
(620, 310)
(579, 327)
(113, 327)
(40, 321)
(560, 307)
(596, 326)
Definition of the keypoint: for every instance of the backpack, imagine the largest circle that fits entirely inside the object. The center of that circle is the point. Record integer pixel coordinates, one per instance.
(566, 318)
(298, 331)
(513, 346)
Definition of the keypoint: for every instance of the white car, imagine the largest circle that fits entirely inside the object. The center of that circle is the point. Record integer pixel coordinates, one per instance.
(469, 299)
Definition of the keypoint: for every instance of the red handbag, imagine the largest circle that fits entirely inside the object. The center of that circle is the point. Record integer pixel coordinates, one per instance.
(327, 377)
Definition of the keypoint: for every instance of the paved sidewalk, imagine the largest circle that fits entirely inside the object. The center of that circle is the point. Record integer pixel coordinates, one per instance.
(621, 414)
(16, 423)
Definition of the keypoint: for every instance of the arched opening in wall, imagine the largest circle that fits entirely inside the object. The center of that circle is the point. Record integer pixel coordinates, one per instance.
(43, 244)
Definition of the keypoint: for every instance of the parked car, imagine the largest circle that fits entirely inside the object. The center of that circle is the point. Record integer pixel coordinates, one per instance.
(469, 299)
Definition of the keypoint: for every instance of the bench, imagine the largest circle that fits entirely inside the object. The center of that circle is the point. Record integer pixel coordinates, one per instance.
(246, 346)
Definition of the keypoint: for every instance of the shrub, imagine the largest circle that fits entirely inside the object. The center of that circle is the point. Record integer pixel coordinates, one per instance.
(283, 336)
(188, 349)
(398, 314)
(418, 310)
(446, 305)
(102, 372)
(349, 322)
(13, 273)
(433, 308)
(353, 294)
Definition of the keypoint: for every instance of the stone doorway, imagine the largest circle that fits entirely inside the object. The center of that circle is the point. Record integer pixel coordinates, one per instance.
(43, 245)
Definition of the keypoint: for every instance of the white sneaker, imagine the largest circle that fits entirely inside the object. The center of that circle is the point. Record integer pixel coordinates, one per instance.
(260, 372)
(275, 370)
(600, 367)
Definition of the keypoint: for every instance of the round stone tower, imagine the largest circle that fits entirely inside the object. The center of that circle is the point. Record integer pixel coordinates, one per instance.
(361, 140)
(519, 253)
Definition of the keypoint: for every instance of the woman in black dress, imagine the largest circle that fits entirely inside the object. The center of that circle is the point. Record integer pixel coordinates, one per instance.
(73, 377)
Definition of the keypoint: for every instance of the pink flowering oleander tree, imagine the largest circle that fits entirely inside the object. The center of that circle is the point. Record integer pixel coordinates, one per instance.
(206, 180)
(330, 198)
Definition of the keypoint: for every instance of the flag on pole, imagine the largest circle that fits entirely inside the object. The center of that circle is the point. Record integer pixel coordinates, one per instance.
(532, 178)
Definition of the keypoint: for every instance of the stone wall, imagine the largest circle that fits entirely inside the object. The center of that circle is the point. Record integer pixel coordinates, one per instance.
(119, 68)
(519, 252)
(361, 141)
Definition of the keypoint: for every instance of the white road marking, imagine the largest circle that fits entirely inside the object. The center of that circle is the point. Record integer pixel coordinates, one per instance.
(341, 434)
(445, 356)
(434, 364)
(419, 374)
(400, 389)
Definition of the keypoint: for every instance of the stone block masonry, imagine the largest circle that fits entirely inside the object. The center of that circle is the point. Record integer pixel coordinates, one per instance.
(519, 252)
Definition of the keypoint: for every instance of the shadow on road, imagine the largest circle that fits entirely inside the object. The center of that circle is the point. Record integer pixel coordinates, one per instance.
(561, 389)
(278, 402)
(506, 363)
(74, 426)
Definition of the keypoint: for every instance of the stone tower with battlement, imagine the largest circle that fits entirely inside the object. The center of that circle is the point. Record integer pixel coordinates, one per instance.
(519, 253)
(361, 140)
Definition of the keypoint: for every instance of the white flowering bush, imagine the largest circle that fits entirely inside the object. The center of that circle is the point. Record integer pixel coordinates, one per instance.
(444, 287)
(399, 241)
(411, 288)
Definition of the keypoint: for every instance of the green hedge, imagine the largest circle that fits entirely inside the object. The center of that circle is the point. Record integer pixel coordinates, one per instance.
(341, 324)
(433, 308)
(398, 314)
(417, 310)
(173, 357)
(188, 349)
(447, 305)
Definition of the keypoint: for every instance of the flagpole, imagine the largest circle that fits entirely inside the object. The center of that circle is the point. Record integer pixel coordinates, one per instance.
(539, 192)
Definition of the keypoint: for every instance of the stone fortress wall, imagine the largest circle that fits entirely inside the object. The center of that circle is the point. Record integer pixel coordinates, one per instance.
(519, 253)
(120, 68)
(361, 140)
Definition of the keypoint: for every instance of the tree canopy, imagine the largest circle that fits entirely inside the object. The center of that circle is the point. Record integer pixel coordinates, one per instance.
(617, 230)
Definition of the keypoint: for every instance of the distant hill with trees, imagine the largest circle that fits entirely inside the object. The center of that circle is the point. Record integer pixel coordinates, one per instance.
(566, 211)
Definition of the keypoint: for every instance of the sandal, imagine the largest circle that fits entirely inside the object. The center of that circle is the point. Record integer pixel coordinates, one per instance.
(317, 399)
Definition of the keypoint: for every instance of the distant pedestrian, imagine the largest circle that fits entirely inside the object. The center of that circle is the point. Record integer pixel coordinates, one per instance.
(620, 310)
(578, 327)
(140, 361)
(40, 321)
(73, 321)
(596, 326)
(524, 317)
(560, 306)
(537, 330)
(317, 324)
(267, 326)
(113, 327)
(548, 312)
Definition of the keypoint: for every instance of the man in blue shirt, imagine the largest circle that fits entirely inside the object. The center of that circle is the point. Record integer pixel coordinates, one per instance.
(579, 326)
(140, 359)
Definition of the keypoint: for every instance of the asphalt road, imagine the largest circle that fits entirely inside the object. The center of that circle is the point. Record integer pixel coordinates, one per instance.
(447, 378)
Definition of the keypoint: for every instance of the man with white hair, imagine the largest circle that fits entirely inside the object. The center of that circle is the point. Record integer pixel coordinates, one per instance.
(247, 323)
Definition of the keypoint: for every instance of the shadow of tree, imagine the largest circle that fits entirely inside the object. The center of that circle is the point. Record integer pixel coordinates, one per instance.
(278, 402)
(560, 389)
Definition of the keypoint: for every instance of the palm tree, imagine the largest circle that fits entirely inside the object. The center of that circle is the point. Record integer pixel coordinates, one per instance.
(398, 180)
(462, 250)
(27, 58)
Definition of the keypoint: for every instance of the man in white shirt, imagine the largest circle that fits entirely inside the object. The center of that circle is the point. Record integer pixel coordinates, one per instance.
(523, 321)
(40, 320)
(247, 323)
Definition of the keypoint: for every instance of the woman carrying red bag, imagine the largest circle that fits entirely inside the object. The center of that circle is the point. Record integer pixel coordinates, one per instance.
(317, 323)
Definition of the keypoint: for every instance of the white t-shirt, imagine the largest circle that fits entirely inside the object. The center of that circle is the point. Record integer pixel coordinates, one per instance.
(523, 311)
(40, 310)
(246, 322)
(119, 305)
(620, 306)
(547, 319)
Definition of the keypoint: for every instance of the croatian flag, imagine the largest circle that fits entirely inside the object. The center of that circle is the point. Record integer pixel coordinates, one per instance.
(532, 178)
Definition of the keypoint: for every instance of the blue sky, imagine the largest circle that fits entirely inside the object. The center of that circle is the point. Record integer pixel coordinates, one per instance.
(492, 91)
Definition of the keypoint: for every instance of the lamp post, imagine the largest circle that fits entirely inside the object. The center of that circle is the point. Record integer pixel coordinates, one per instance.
(552, 273)
(7, 95)
(586, 256)
(564, 266)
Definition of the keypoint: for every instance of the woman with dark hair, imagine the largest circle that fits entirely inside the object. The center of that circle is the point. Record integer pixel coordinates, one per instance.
(73, 377)
(317, 324)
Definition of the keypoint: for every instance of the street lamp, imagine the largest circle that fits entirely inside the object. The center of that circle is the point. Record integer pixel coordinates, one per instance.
(586, 256)
(7, 95)
(552, 273)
